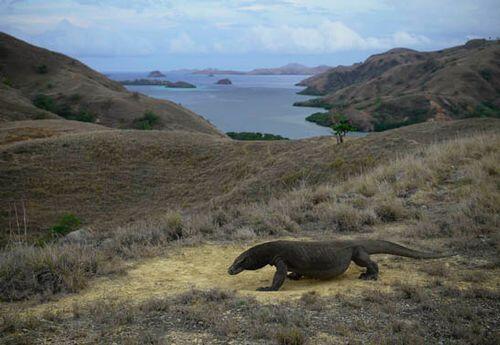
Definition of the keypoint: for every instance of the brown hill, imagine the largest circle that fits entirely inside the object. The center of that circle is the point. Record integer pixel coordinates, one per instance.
(67, 87)
(114, 176)
(404, 86)
(14, 131)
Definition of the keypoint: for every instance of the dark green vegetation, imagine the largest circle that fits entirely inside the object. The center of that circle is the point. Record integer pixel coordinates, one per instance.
(314, 102)
(402, 86)
(67, 223)
(341, 126)
(254, 136)
(64, 108)
(321, 118)
(147, 122)
(42, 69)
(486, 109)
(386, 116)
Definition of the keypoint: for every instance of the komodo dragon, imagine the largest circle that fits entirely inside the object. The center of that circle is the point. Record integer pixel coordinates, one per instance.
(322, 260)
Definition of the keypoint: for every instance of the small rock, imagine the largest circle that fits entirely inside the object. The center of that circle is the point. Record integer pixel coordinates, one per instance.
(78, 236)
(107, 243)
(224, 82)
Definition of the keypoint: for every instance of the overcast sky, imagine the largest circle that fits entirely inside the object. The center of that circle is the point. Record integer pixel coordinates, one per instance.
(140, 35)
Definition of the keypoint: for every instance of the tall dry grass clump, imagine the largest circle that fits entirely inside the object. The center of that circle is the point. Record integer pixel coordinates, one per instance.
(27, 270)
(446, 189)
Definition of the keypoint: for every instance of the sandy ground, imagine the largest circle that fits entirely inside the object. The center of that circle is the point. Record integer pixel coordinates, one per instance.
(205, 267)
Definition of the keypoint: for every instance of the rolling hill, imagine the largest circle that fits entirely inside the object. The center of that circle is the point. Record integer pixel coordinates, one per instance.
(404, 86)
(64, 87)
(116, 176)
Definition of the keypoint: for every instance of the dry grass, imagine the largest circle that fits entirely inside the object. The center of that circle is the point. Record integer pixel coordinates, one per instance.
(118, 177)
(28, 270)
(454, 199)
(409, 315)
(445, 195)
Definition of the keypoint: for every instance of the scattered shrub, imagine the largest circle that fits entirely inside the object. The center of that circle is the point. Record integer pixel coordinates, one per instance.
(83, 116)
(7, 82)
(42, 69)
(486, 74)
(486, 109)
(67, 223)
(45, 102)
(390, 210)
(147, 122)
(290, 336)
(64, 110)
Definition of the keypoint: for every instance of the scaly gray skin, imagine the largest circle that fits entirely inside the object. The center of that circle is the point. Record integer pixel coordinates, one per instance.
(321, 260)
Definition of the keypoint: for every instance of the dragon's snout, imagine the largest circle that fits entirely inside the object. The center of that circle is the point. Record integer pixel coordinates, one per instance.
(234, 270)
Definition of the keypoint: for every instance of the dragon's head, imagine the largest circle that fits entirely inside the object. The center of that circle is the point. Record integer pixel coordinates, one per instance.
(248, 260)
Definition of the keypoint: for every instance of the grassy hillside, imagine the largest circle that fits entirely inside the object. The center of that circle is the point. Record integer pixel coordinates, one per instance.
(28, 72)
(116, 176)
(402, 86)
(14, 131)
(440, 197)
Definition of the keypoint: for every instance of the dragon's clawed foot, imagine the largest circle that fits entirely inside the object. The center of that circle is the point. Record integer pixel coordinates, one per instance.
(366, 276)
(265, 288)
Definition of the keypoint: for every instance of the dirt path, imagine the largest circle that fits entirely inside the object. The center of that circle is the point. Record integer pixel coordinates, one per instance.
(205, 267)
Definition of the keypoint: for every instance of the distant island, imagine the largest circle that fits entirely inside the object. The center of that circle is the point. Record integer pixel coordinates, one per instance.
(289, 69)
(254, 136)
(166, 83)
(224, 82)
(156, 74)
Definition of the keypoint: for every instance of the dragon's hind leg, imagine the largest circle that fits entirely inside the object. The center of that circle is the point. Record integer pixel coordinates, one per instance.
(361, 258)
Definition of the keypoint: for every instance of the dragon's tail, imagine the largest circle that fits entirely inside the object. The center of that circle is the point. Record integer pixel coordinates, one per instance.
(386, 247)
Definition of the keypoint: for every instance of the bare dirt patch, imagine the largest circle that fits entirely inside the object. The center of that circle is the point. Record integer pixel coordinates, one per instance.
(204, 267)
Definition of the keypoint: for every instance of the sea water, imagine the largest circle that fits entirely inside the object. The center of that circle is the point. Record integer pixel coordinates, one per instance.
(253, 103)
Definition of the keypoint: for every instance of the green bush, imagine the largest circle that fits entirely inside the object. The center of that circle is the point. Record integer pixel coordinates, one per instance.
(84, 116)
(65, 225)
(486, 109)
(486, 74)
(147, 121)
(64, 110)
(45, 102)
(42, 69)
(7, 82)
